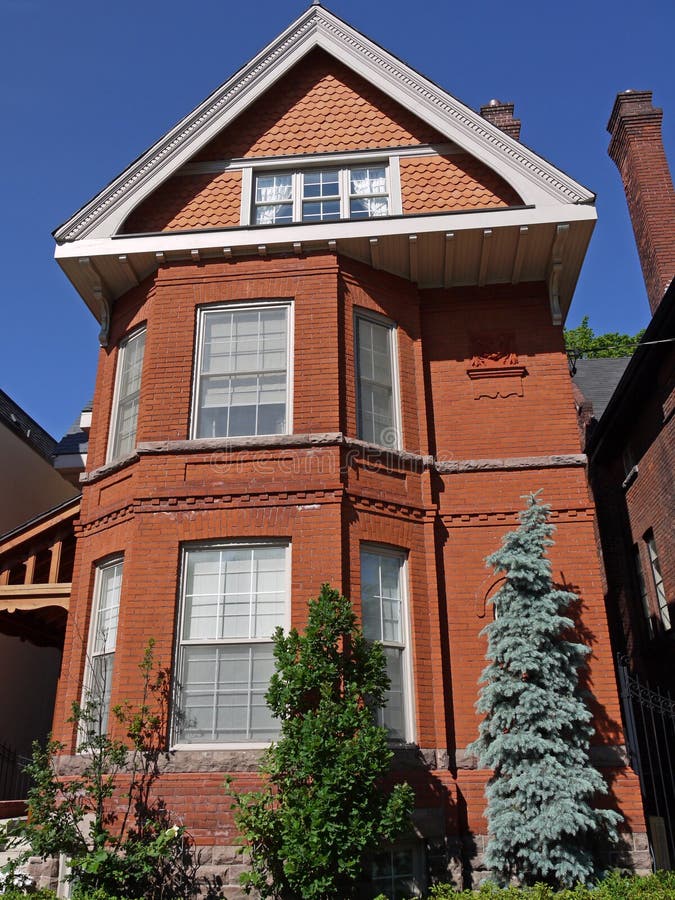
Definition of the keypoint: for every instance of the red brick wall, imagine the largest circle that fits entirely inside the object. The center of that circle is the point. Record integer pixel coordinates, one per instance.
(328, 500)
(542, 420)
(637, 149)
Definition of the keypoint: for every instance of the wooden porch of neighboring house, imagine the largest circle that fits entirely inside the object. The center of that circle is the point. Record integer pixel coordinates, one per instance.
(36, 566)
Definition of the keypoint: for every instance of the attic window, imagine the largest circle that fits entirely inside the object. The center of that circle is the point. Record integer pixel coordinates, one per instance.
(321, 195)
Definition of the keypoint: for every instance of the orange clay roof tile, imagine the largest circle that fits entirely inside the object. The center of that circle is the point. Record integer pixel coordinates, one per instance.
(319, 107)
(189, 201)
(441, 183)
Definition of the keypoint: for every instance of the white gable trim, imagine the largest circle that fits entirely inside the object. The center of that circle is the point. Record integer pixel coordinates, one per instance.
(535, 179)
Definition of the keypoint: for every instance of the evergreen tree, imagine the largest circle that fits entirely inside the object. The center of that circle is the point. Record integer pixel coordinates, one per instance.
(323, 807)
(536, 731)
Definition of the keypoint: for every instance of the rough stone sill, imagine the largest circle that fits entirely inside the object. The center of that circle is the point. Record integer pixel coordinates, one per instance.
(388, 456)
(602, 756)
(407, 756)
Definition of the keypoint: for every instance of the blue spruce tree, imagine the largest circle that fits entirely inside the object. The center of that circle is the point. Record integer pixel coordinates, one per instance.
(536, 731)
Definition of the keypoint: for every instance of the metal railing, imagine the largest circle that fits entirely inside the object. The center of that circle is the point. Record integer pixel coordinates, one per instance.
(14, 782)
(650, 736)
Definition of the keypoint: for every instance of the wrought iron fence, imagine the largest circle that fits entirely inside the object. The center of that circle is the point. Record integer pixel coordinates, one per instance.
(14, 782)
(650, 735)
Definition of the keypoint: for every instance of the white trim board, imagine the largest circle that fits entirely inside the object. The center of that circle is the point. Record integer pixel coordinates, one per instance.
(534, 178)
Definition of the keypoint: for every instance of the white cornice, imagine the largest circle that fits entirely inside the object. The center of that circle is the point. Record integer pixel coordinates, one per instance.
(536, 180)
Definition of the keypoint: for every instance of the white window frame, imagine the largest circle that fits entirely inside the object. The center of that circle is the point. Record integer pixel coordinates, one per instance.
(114, 431)
(367, 315)
(657, 581)
(90, 691)
(180, 642)
(407, 682)
(297, 190)
(202, 313)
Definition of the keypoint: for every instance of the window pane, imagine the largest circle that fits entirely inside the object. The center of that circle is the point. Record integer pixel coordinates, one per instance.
(276, 214)
(369, 180)
(368, 207)
(102, 641)
(125, 413)
(273, 188)
(232, 595)
(321, 183)
(381, 615)
(375, 383)
(106, 609)
(223, 693)
(243, 379)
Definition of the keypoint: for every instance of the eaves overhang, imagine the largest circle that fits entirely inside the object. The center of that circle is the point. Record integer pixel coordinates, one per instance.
(442, 250)
(536, 180)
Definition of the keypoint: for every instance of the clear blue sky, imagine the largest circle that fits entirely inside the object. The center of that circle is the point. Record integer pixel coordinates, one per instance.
(85, 87)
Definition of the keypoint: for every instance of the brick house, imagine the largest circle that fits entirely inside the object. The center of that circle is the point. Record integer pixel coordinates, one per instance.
(631, 450)
(330, 303)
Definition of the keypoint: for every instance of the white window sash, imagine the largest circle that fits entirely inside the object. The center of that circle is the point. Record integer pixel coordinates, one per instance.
(393, 439)
(401, 646)
(260, 202)
(124, 413)
(230, 384)
(219, 647)
(100, 659)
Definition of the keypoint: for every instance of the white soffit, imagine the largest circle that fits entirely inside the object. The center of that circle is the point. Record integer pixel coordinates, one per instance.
(536, 180)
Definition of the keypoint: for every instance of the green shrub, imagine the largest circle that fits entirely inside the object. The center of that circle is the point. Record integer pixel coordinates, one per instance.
(616, 886)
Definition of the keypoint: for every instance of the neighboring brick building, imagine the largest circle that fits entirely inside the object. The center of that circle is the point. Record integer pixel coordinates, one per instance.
(331, 303)
(631, 452)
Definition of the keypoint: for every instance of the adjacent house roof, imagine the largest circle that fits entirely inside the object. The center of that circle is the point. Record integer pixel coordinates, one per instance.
(639, 378)
(597, 379)
(18, 421)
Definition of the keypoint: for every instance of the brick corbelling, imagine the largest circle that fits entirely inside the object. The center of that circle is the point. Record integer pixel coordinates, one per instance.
(480, 518)
(209, 501)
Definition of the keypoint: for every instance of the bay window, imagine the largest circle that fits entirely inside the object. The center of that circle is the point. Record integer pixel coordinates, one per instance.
(233, 598)
(124, 417)
(102, 642)
(243, 366)
(376, 381)
(384, 619)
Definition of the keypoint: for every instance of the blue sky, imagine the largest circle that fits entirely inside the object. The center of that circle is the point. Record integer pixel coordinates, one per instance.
(85, 87)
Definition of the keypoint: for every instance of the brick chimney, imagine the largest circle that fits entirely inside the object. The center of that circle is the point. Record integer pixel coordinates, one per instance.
(637, 149)
(501, 115)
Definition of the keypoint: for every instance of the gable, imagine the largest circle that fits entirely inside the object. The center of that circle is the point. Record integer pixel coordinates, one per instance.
(320, 106)
(452, 183)
(189, 202)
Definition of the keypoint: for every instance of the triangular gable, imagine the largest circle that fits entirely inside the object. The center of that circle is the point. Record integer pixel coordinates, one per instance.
(319, 107)
(536, 180)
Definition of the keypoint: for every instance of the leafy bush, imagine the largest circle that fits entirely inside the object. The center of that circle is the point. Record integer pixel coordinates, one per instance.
(132, 852)
(660, 886)
(323, 807)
